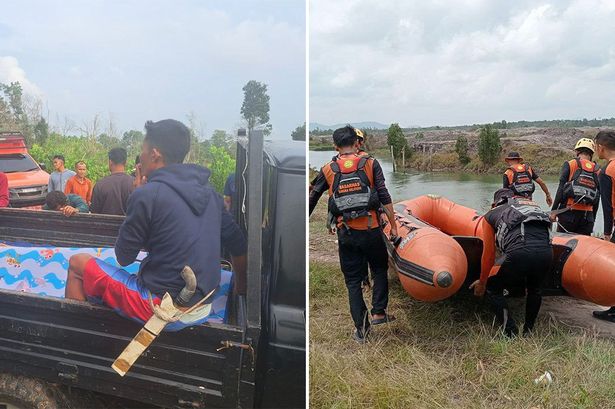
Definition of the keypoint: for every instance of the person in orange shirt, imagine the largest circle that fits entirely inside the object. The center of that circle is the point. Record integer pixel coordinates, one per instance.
(79, 184)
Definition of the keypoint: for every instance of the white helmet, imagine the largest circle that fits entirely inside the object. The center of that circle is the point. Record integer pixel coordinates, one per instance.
(585, 143)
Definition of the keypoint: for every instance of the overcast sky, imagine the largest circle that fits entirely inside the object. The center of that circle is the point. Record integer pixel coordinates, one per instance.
(461, 62)
(143, 60)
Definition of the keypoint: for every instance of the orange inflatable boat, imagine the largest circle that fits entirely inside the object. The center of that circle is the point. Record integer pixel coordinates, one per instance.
(583, 266)
(431, 265)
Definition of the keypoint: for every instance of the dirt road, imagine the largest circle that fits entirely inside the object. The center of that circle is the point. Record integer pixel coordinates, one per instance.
(577, 313)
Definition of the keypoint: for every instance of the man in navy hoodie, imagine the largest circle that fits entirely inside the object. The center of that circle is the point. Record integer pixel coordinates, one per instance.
(177, 217)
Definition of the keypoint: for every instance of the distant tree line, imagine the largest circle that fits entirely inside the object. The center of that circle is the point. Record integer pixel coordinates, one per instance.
(92, 140)
(324, 132)
(555, 123)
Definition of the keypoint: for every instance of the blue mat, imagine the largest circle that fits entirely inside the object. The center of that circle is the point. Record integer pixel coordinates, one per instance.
(42, 270)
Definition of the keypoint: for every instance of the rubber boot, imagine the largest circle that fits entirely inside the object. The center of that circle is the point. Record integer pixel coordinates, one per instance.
(608, 315)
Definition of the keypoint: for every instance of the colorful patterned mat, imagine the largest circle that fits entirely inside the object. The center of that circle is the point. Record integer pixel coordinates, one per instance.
(43, 270)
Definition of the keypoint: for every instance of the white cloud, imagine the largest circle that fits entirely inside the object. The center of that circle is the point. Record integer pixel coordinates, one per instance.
(155, 59)
(448, 62)
(10, 71)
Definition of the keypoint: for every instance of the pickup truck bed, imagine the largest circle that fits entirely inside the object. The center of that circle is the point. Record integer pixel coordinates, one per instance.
(256, 359)
(76, 342)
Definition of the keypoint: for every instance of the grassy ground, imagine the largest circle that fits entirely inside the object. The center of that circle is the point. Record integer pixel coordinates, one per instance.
(444, 355)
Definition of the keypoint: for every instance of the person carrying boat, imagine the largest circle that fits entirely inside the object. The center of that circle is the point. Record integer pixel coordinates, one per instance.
(522, 233)
(357, 189)
(578, 191)
(605, 148)
(520, 177)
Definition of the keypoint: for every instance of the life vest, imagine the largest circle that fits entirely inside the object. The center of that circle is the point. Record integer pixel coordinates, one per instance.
(581, 190)
(520, 180)
(519, 211)
(352, 195)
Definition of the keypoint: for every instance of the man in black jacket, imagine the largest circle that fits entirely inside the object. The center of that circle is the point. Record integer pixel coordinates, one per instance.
(177, 217)
(523, 237)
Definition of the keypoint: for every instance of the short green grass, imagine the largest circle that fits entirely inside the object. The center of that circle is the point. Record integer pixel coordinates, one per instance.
(444, 355)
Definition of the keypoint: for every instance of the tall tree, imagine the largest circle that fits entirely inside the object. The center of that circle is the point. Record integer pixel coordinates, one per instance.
(489, 146)
(461, 147)
(222, 139)
(41, 131)
(132, 140)
(299, 133)
(13, 92)
(14, 115)
(255, 107)
(396, 139)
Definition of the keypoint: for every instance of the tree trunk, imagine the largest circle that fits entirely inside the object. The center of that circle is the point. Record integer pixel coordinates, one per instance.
(393, 159)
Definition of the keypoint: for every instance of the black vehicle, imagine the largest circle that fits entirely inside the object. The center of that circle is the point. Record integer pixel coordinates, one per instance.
(64, 347)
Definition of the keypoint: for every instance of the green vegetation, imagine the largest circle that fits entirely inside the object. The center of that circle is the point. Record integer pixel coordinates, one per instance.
(397, 140)
(216, 154)
(21, 114)
(461, 148)
(442, 355)
(221, 165)
(299, 133)
(255, 107)
(74, 149)
(92, 146)
(556, 123)
(489, 146)
(544, 159)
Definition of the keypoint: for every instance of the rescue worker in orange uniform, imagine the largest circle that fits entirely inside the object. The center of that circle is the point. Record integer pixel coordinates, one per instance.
(605, 149)
(520, 177)
(357, 189)
(578, 191)
(522, 235)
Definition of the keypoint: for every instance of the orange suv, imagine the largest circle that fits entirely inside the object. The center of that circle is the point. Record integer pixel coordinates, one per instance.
(27, 179)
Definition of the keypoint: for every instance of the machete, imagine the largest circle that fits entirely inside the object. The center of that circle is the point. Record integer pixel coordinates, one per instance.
(167, 312)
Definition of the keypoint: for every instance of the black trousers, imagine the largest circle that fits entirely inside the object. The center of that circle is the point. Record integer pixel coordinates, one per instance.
(524, 269)
(357, 249)
(576, 221)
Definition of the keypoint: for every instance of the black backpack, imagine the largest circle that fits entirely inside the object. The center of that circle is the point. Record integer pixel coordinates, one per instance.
(352, 194)
(519, 212)
(522, 183)
(582, 187)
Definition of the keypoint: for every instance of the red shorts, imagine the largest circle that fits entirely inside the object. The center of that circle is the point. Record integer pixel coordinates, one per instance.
(118, 289)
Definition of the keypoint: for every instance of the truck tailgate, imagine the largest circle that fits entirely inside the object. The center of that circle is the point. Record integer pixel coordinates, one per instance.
(75, 343)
